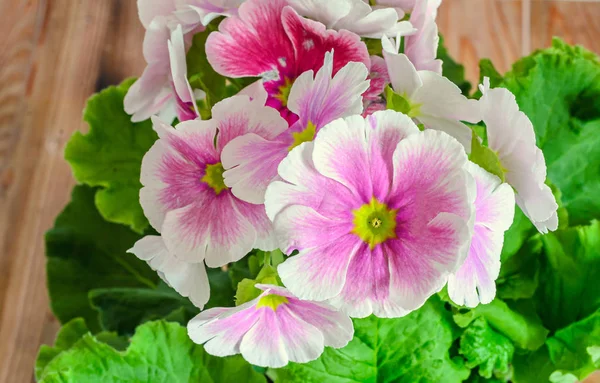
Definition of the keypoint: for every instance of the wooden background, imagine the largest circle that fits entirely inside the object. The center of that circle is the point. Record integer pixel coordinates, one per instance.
(56, 53)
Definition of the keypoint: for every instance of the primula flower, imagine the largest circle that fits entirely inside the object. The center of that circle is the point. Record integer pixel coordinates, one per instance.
(510, 134)
(272, 330)
(421, 47)
(184, 196)
(251, 161)
(355, 16)
(163, 87)
(408, 6)
(474, 282)
(379, 78)
(431, 99)
(380, 212)
(188, 279)
(269, 39)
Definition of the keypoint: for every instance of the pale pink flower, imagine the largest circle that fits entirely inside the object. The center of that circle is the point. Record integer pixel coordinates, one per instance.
(195, 13)
(272, 330)
(510, 134)
(408, 6)
(434, 101)
(251, 161)
(269, 39)
(421, 47)
(188, 279)
(474, 282)
(184, 196)
(380, 212)
(355, 16)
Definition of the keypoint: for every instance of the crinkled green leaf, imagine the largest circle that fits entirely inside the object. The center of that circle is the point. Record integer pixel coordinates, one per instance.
(110, 156)
(517, 321)
(559, 90)
(411, 349)
(574, 349)
(158, 352)
(569, 289)
(84, 252)
(454, 71)
(484, 347)
(519, 273)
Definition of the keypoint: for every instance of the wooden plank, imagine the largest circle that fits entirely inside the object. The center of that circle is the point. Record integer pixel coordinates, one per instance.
(574, 21)
(476, 29)
(72, 58)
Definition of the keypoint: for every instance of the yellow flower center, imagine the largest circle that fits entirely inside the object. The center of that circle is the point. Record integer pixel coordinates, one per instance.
(213, 177)
(374, 222)
(273, 301)
(307, 135)
(284, 92)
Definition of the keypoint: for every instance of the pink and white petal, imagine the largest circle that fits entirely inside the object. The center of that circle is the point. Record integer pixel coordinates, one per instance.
(319, 273)
(238, 115)
(257, 217)
(539, 205)
(454, 128)
(378, 77)
(274, 290)
(336, 327)
(263, 344)
(420, 267)
(474, 282)
(256, 91)
(440, 97)
(341, 152)
(404, 77)
(372, 23)
(252, 43)
(302, 341)
(448, 187)
(251, 164)
(388, 128)
(176, 47)
(421, 47)
(326, 12)
(149, 9)
(494, 202)
(149, 94)
(325, 99)
(188, 279)
(222, 329)
(311, 40)
(300, 227)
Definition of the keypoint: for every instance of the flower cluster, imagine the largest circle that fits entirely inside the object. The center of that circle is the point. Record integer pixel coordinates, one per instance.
(355, 161)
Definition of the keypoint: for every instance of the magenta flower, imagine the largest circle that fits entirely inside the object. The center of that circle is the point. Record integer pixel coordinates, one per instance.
(474, 282)
(251, 161)
(272, 330)
(380, 212)
(184, 196)
(379, 78)
(269, 39)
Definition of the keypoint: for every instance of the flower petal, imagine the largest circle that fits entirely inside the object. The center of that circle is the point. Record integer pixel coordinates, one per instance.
(188, 279)
(403, 75)
(336, 327)
(303, 342)
(421, 47)
(263, 345)
(455, 128)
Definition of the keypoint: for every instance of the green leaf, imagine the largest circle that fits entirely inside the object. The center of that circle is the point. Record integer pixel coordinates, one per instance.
(559, 90)
(519, 274)
(516, 235)
(396, 102)
(533, 367)
(65, 339)
(484, 347)
(158, 352)
(110, 156)
(454, 71)
(486, 158)
(411, 349)
(517, 321)
(570, 270)
(574, 349)
(123, 309)
(487, 69)
(84, 252)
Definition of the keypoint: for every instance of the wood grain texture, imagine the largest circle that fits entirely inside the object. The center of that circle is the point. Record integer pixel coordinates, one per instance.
(56, 53)
(61, 51)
